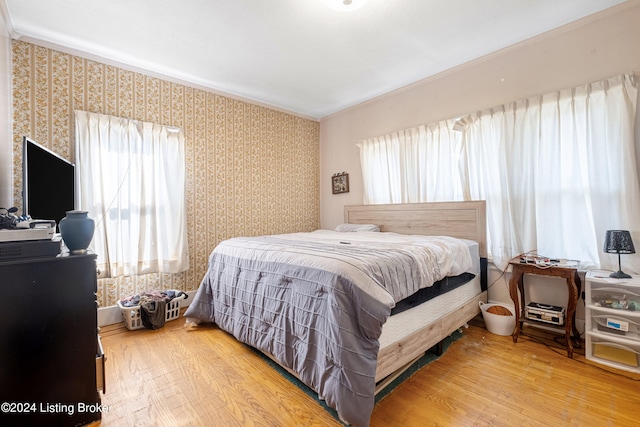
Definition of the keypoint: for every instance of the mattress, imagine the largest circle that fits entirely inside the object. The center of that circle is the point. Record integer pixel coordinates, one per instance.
(406, 322)
(403, 324)
(442, 286)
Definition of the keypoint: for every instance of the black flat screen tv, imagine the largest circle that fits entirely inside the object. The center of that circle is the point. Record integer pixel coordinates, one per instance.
(48, 183)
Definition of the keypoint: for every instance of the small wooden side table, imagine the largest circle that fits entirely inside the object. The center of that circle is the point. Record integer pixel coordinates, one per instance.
(574, 285)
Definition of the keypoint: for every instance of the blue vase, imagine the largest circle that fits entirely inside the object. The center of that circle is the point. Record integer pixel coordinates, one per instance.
(77, 231)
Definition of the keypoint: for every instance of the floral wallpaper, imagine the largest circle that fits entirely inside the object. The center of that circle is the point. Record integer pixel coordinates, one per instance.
(251, 170)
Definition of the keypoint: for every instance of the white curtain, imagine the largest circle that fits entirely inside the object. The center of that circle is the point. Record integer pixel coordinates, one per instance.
(404, 166)
(131, 179)
(557, 171)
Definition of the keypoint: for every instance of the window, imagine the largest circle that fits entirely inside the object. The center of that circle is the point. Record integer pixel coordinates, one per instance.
(131, 179)
(556, 170)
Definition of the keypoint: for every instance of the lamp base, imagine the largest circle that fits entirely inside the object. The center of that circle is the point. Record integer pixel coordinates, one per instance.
(620, 275)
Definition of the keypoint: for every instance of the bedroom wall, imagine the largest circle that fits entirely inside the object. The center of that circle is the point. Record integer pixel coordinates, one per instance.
(594, 48)
(251, 170)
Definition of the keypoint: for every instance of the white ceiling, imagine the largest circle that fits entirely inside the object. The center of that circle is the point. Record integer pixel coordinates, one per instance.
(296, 55)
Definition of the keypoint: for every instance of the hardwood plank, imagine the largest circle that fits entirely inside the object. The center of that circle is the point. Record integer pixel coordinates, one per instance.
(181, 376)
(203, 376)
(485, 379)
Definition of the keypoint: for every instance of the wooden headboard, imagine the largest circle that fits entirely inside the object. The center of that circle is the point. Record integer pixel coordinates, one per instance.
(465, 220)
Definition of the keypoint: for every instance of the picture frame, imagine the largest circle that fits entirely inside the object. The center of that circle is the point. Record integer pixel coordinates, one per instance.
(340, 183)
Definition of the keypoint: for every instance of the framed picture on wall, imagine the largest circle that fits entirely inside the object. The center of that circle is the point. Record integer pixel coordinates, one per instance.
(340, 183)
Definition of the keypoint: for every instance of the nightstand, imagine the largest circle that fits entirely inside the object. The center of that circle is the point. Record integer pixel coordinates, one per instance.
(612, 314)
(573, 285)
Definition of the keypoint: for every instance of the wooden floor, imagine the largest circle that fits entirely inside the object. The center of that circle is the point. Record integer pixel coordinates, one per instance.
(178, 376)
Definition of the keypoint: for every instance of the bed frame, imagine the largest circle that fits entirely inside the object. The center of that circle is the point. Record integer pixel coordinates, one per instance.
(465, 220)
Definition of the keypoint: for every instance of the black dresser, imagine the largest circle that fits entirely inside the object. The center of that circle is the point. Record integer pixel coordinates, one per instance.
(51, 360)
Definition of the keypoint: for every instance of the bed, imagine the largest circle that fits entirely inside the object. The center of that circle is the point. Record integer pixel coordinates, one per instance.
(315, 302)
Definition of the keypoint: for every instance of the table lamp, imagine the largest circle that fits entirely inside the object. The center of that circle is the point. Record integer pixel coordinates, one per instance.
(619, 242)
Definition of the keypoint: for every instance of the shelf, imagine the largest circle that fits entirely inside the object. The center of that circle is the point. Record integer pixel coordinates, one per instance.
(612, 346)
(614, 311)
(602, 278)
(613, 351)
(541, 323)
(614, 338)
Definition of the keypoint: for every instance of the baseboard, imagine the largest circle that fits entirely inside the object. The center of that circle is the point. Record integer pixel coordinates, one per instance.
(112, 314)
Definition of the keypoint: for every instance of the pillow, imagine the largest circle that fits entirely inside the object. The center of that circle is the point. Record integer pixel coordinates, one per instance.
(357, 227)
